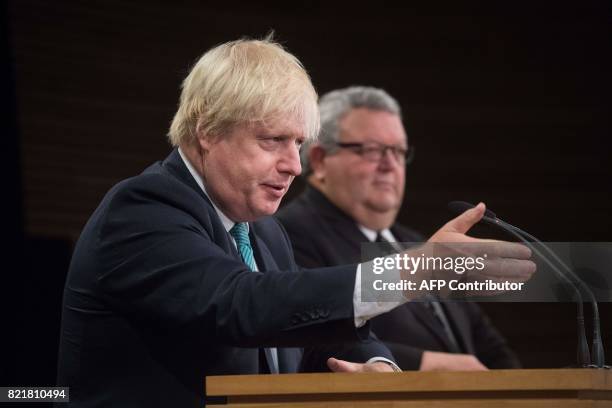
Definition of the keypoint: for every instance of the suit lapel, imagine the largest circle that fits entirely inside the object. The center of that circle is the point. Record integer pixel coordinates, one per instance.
(347, 229)
(263, 257)
(427, 318)
(460, 325)
(342, 225)
(455, 319)
(265, 262)
(174, 165)
(352, 236)
(420, 309)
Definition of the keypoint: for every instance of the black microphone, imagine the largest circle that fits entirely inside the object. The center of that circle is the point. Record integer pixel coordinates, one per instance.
(583, 349)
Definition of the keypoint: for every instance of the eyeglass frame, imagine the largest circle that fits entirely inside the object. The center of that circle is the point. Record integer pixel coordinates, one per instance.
(405, 154)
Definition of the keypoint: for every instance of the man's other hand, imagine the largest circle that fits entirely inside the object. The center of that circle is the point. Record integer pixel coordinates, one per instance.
(434, 360)
(342, 366)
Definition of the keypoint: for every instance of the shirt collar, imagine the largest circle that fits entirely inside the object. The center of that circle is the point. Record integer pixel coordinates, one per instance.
(227, 222)
(371, 234)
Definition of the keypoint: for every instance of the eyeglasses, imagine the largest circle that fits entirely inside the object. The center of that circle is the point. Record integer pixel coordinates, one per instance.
(372, 151)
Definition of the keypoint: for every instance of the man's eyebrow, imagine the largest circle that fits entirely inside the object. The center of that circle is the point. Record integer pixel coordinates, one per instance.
(273, 134)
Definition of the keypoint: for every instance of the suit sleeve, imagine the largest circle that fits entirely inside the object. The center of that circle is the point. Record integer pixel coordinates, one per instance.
(315, 356)
(158, 262)
(407, 357)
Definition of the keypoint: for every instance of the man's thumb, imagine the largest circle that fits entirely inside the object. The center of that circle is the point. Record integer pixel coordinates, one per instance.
(341, 366)
(466, 220)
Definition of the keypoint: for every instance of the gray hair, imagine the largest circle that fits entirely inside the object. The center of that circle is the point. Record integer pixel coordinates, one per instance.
(335, 104)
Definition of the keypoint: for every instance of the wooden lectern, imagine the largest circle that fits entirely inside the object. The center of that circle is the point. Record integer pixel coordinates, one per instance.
(497, 388)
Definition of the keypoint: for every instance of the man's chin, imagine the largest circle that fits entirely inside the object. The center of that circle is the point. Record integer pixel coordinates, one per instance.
(268, 208)
(384, 206)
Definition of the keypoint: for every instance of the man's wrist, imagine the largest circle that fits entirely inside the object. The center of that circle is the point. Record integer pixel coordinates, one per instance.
(394, 366)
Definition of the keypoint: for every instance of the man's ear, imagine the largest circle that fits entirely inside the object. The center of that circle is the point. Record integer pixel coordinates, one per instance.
(203, 140)
(316, 157)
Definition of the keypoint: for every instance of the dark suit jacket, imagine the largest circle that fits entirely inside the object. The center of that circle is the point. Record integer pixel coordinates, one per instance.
(157, 297)
(323, 235)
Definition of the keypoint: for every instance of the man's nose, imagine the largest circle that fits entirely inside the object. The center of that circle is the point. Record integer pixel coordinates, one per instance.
(290, 163)
(387, 160)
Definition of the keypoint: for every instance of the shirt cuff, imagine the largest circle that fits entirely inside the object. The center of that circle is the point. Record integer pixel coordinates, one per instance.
(364, 311)
(384, 360)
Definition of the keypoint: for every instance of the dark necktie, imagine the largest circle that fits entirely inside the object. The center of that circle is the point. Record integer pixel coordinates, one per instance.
(241, 235)
(384, 246)
(431, 302)
(436, 308)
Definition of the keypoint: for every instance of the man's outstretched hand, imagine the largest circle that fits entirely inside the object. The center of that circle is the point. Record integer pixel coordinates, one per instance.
(455, 229)
(505, 260)
(501, 261)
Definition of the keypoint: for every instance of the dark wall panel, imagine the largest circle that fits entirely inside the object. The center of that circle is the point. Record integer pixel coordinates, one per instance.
(506, 104)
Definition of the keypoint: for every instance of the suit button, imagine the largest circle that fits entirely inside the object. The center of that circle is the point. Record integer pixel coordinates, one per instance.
(324, 313)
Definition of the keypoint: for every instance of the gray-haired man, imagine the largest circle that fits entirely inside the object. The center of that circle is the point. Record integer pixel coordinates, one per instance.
(355, 174)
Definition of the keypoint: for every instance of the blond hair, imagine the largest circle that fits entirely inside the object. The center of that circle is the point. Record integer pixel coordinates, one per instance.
(244, 81)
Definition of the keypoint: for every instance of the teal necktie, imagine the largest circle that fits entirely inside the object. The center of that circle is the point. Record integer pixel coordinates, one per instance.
(240, 232)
